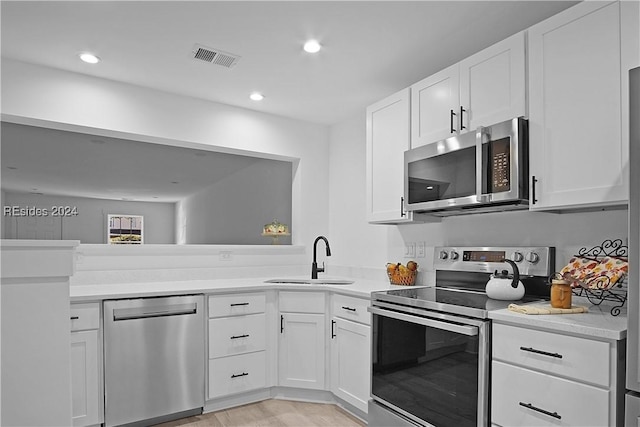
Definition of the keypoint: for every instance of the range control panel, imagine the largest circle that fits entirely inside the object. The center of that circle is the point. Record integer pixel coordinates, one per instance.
(531, 260)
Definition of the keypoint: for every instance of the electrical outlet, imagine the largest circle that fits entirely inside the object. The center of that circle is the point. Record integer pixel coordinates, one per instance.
(226, 255)
(420, 250)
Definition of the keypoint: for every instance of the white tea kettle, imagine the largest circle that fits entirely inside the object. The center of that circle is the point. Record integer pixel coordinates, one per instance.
(501, 286)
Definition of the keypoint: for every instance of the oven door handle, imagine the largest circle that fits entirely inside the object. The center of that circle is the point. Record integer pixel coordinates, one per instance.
(452, 327)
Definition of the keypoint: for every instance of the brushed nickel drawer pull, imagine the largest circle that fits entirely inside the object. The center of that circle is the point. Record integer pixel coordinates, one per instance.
(542, 411)
(544, 353)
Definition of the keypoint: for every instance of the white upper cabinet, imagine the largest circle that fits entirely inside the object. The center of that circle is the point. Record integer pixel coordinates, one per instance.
(578, 112)
(387, 140)
(434, 107)
(486, 88)
(493, 84)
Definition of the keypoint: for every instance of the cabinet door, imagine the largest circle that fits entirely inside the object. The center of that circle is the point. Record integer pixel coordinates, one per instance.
(492, 84)
(351, 362)
(387, 139)
(435, 102)
(578, 156)
(85, 394)
(301, 350)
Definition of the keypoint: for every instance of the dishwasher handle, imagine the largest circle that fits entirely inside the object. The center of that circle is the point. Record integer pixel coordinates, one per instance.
(151, 312)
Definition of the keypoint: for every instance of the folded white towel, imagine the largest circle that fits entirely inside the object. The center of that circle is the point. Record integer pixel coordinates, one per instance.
(545, 309)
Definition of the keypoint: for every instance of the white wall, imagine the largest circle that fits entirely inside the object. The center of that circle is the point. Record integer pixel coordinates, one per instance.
(89, 225)
(358, 246)
(235, 209)
(44, 96)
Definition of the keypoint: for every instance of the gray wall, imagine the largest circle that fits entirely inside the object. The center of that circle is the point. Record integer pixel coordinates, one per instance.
(234, 210)
(89, 225)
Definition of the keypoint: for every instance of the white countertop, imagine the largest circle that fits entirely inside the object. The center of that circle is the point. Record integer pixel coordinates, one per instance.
(360, 288)
(598, 322)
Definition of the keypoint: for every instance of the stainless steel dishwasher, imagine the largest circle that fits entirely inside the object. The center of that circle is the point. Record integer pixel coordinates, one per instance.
(154, 359)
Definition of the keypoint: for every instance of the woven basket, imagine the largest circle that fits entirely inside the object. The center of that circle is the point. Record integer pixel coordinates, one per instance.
(407, 279)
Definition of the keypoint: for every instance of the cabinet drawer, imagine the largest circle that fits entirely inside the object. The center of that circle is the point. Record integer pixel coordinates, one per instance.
(557, 354)
(236, 304)
(519, 395)
(302, 302)
(235, 374)
(236, 335)
(351, 308)
(85, 316)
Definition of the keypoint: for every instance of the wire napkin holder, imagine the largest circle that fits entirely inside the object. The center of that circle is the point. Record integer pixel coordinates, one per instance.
(604, 291)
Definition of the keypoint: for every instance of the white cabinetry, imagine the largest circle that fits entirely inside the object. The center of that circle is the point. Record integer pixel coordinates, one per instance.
(548, 378)
(578, 112)
(485, 88)
(387, 139)
(351, 350)
(237, 343)
(301, 358)
(86, 373)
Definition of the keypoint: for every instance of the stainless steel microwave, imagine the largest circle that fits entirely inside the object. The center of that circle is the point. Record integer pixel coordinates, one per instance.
(482, 171)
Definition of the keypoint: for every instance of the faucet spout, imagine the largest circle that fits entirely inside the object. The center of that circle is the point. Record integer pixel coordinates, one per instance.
(314, 266)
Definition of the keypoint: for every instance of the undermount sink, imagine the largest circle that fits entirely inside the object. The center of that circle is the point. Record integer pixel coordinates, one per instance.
(311, 281)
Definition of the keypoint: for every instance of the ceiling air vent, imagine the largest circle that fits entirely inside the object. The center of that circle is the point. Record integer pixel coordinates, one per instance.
(215, 56)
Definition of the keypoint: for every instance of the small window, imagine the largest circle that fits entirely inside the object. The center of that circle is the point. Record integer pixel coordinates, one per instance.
(125, 229)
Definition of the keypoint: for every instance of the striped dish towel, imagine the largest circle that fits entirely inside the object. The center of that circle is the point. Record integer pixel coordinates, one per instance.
(545, 309)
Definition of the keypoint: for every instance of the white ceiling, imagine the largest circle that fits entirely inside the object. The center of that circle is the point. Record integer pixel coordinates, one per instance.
(371, 49)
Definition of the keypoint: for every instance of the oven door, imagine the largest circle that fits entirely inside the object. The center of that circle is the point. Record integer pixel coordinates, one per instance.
(430, 367)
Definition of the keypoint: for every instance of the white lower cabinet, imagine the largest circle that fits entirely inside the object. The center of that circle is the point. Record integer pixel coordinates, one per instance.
(237, 332)
(236, 374)
(86, 386)
(351, 350)
(541, 378)
(321, 343)
(301, 345)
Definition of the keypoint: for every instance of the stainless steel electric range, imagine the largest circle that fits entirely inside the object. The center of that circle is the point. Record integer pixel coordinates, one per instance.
(431, 346)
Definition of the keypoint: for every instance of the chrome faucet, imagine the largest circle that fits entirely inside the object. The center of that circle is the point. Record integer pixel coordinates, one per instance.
(314, 266)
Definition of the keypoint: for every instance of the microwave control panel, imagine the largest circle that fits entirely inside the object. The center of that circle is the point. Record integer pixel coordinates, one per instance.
(500, 165)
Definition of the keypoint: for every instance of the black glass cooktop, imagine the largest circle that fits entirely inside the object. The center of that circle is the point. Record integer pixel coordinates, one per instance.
(464, 302)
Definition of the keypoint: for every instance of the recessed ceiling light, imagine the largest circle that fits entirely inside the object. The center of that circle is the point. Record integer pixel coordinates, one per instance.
(255, 96)
(312, 46)
(89, 58)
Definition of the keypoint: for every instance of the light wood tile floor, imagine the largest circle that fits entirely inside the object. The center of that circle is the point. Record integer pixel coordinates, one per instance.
(273, 413)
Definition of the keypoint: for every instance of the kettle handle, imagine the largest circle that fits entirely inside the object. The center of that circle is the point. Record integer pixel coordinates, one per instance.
(516, 273)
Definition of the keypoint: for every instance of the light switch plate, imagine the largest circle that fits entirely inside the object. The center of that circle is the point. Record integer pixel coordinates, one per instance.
(410, 250)
(420, 250)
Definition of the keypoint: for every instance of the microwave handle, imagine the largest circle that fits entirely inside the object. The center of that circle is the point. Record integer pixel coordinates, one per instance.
(481, 133)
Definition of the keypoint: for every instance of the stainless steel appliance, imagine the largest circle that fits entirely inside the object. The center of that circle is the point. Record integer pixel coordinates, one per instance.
(632, 400)
(431, 346)
(482, 171)
(153, 359)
